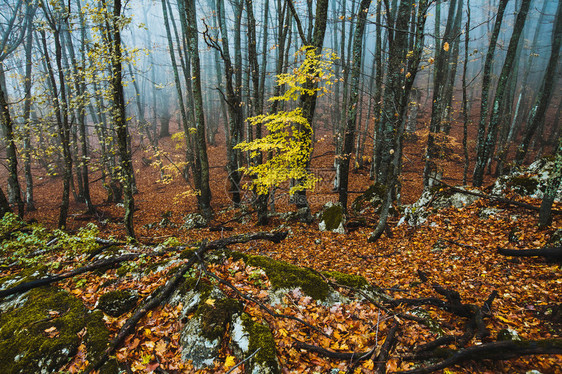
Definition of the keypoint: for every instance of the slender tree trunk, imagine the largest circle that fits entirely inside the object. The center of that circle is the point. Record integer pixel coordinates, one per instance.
(465, 113)
(29, 200)
(487, 75)
(61, 114)
(538, 111)
(120, 118)
(500, 90)
(14, 188)
(201, 172)
(349, 134)
(439, 102)
(545, 212)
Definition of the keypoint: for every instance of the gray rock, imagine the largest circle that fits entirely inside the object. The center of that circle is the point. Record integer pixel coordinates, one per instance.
(194, 221)
(417, 213)
(528, 182)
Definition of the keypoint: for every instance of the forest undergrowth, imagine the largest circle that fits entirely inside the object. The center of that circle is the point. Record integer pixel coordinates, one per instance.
(455, 250)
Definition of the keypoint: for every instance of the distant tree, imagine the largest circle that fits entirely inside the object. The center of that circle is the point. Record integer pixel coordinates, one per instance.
(289, 134)
(402, 70)
(538, 110)
(201, 170)
(486, 77)
(349, 132)
(18, 17)
(490, 142)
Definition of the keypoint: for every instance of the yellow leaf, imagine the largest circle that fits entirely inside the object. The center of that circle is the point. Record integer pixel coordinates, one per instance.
(229, 362)
(369, 365)
(210, 302)
(445, 46)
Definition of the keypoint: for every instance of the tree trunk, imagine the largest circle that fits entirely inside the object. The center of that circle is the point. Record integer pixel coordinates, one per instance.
(545, 212)
(120, 118)
(14, 189)
(538, 111)
(500, 90)
(349, 134)
(201, 172)
(487, 73)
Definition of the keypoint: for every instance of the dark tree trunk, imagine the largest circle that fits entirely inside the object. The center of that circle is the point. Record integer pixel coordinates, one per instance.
(349, 134)
(4, 205)
(201, 172)
(487, 74)
(120, 118)
(545, 212)
(14, 188)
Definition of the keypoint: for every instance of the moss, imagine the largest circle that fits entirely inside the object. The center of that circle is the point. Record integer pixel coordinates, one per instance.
(216, 315)
(261, 338)
(523, 184)
(375, 192)
(118, 302)
(187, 253)
(333, 217)
(284, 275)
(25, 275)
(351, 280)
(26, 346)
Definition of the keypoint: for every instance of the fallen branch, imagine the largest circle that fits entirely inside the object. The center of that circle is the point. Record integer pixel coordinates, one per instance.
(331, 354)
(164, 292)
(502, 350)
(550, 254)
(55, 278)
(389, 342)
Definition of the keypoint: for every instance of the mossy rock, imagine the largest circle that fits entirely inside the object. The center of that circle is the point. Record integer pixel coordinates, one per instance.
(42, 335)
(524, 185)
(118, 302)
(215, 315)
(25, 275)
(351, 280)
(374, 196)
(283, 275)
(202, 335)
(332, 218)
(259, 338)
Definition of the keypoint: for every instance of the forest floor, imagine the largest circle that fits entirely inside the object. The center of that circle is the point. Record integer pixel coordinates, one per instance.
(454, 248)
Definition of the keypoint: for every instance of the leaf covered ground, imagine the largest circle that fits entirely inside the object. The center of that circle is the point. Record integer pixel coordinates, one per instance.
(455, 249)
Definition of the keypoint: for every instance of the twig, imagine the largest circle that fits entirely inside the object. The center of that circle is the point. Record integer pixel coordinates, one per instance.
(244, 360)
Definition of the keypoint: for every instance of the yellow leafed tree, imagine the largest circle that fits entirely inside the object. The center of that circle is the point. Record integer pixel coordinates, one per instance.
(289, 135)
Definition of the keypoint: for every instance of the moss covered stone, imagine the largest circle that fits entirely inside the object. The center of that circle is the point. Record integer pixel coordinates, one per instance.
(260, 337)
(283, 275)
(215, 315)
(374, 196)
(118, 302)
(42, 334)
(351, 280)
(523, 184)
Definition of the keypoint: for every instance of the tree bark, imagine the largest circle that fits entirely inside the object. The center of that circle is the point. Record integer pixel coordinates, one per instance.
(487, 75)
(201, 172)
(349, 132)
(538, 111)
